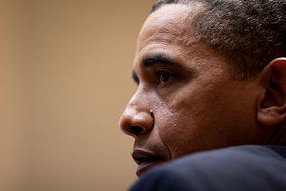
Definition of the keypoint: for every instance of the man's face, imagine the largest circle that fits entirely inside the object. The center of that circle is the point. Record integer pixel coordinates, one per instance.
(186, 100)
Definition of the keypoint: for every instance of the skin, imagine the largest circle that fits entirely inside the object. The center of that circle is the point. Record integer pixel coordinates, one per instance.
(186, 100)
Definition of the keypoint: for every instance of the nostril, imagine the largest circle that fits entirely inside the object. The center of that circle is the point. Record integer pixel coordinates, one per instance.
(137, 130)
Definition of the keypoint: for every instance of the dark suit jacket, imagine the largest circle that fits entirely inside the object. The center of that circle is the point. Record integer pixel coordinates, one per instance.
(241, 168)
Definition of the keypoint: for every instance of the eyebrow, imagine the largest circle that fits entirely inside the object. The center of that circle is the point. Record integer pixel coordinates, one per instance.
(157, 59)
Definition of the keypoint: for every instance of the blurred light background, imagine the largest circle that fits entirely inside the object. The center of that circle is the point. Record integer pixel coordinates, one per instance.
(64, 81)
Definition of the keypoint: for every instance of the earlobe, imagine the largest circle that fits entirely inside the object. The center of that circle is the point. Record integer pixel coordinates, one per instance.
(272, 115)
(272, 105)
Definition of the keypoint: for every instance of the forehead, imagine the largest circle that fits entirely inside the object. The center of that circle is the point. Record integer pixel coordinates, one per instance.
(168, 31)
(169, 20)
(173, 18)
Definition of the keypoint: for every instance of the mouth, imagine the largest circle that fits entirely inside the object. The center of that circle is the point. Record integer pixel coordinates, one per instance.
(146, 159)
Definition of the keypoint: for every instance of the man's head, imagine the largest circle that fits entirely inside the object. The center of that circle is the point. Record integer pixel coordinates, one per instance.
(192, 94)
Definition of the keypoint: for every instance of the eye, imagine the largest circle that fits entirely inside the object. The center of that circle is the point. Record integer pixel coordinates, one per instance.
(164, 76)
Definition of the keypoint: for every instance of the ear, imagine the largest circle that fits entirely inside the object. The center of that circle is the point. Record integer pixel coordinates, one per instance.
(272, 106)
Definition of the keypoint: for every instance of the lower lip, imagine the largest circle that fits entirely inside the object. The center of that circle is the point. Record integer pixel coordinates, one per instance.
(143, 167)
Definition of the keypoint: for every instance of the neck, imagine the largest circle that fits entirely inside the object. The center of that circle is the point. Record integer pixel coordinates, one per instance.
(278, 136)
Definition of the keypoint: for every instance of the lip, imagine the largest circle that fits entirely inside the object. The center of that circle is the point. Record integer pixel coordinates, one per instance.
(145, 159)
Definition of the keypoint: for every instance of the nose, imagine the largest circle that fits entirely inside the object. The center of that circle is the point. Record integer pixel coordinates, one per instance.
(136, 119)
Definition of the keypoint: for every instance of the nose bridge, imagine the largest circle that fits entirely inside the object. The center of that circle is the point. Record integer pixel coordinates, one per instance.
(137, 117)
(139, 98)
(140, 101)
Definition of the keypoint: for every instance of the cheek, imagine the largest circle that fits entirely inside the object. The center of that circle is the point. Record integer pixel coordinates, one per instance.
(192, 123)
(178, 130)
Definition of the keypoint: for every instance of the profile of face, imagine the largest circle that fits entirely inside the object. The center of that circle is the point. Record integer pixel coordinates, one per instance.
(186, 100)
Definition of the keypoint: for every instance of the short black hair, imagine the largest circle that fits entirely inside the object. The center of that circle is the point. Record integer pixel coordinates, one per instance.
(249, 33)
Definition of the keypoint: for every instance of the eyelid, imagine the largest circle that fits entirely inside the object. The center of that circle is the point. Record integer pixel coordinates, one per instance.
(161, 70)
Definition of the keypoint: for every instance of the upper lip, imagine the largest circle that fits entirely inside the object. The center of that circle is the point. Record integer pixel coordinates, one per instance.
(145, 156)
